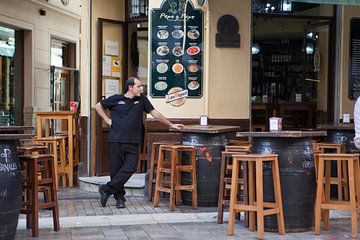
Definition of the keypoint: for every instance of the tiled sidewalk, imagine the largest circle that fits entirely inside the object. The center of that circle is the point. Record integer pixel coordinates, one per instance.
(74, 202)
(82, 217)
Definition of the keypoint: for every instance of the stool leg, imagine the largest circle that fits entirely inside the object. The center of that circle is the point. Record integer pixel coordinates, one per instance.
(259, 199)
(172, 178)
(62, 162)
(353, 203)
(34, 199)
(345, 180)
(194, 182)
(251, 196)
(339, 179)
(177, 177)
(158, 177)
(319, 195)
(326, 212)
(278, 197)
(151, 172)
(55, 210)
(246, 195)
(233, 196)
(220, 210)
(54, 149)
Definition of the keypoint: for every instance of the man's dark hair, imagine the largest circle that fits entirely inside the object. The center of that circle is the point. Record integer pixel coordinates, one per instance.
(128, 83)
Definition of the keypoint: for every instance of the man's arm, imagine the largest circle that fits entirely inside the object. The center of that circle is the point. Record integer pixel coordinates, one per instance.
(161, 118)
(101, 111)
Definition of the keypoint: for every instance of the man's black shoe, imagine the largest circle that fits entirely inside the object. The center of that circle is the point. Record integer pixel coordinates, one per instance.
(104, 196)
(120, 203)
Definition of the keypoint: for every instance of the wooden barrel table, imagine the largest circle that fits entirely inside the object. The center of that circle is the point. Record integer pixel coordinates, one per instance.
(10, 183)
(209, 141)
(297, 175)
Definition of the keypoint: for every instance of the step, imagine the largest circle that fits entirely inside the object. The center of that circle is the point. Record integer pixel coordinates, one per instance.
(134, 187)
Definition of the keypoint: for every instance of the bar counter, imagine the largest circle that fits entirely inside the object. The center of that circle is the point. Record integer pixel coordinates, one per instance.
(297, 175)
(209, 141)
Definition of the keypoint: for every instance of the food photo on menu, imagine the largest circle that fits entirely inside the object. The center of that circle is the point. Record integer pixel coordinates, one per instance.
(162, 34)
(177, 34)
(178, 51)
(178, 68)
(162, 68)
(162, 50)
(193, 34)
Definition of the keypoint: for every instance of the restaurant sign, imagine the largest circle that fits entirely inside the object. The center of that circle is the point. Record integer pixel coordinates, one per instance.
(176, 50)
(354, 59)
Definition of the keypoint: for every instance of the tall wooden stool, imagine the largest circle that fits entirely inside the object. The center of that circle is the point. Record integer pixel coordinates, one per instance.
(255, 162)
(52, 142)
(153, 163)
(32, 184)
(173, 186)
(323, 201)
(341, 169)
(225, 182)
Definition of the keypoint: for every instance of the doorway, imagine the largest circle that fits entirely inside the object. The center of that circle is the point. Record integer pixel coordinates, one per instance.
(291, 75)
(11, 76)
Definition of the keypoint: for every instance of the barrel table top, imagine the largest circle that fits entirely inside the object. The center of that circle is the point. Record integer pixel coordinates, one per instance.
(336, 126)
(284, 134)
(17, 129)
(15, 136)
(213, 129)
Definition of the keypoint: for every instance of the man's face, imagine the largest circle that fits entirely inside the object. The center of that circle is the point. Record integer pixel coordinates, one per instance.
(137, 89)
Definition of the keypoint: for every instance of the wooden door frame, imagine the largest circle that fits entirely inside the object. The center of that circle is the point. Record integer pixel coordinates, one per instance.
(101, 133)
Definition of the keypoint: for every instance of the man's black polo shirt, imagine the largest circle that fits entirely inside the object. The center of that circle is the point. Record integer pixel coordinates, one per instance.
(126, 117)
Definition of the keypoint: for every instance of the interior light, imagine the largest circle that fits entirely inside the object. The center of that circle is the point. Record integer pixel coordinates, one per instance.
(255, 48)
(309, 48)
(309, 35)
(286, 6)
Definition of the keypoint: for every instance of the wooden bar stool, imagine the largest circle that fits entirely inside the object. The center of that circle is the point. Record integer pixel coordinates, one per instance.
(225, 183)
(173, 186)
(52, 142)
(153, 163)
(32, 185)
(323, 202)
(255, 162)
(341, 180)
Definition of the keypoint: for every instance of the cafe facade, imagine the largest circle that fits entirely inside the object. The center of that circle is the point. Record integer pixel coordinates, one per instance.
(196, 58)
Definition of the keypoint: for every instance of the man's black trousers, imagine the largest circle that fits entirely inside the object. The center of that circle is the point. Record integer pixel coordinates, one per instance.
(123, 159)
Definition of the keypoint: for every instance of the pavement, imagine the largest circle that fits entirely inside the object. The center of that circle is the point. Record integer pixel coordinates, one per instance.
(82, 217)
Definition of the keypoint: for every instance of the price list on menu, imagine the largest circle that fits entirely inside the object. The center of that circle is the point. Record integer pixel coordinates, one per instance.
(176, 49)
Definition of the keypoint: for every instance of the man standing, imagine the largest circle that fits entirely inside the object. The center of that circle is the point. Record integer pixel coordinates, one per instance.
(125, 136)
(357, 123)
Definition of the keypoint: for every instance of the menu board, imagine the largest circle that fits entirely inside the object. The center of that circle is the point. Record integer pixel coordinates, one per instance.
(176, 49)
(354, 59)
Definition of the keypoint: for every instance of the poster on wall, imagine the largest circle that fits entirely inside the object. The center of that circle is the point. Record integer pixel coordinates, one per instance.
(354, 59)
(176, 50)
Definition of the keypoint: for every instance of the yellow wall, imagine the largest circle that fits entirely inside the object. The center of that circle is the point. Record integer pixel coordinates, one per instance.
(109, 9)
(230, 67)
(347, 105)
(226, 90)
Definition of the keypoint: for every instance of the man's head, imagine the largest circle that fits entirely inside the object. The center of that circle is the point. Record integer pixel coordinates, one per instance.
(133, 87)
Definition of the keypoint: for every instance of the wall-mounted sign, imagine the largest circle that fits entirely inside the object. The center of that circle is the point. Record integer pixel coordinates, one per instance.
(176, 49)
(354, 59)
(228, 32)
